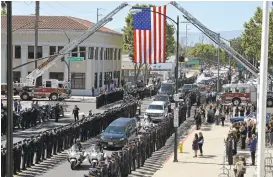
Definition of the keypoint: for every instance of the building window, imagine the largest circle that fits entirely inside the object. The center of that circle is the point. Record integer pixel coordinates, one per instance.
(82, 52)
(100, 79)
(74, 52)
(78, 80)
(16, 76)
(56, 75)
(30, 52)
(101, 53)
(96, 80)
(91, 53)
(96, 53)
(39, 51)
(52, 50)
(17, 51)
(119, 54)
(115, 54)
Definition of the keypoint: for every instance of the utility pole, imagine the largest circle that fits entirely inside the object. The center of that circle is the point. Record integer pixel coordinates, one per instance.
(9, 146)
(37, 13)
(98, 14)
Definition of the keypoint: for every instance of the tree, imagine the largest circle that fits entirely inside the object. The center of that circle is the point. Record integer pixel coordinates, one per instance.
(251, 37)
(3, 10)
(128, 39)
(208, 53)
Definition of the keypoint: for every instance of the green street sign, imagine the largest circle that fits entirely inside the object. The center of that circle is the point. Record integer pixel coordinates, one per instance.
(75, 58)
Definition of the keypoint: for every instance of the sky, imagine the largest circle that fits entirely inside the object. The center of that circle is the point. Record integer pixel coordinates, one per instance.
(217, 16)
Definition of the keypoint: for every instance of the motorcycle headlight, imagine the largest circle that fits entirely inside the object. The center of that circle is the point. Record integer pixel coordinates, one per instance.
(121, 139)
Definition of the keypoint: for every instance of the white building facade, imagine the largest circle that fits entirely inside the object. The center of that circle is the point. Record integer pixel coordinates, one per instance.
(101, 52)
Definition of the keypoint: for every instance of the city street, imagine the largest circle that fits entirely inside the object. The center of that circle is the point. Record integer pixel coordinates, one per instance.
(59, 166)
(19, 135)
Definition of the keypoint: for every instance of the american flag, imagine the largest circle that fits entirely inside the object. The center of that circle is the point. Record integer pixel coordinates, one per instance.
(150, 35)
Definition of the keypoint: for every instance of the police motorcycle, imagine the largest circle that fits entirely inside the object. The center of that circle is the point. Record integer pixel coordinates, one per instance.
(148, 123)
(95, 155)
(139, 107)
(93, 172)
(75, 156)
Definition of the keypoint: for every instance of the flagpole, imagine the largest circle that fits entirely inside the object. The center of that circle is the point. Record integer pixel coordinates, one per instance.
(263, 91)
(176, 88)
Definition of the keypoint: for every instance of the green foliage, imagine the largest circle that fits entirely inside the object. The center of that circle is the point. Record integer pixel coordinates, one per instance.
(249, 43)
(128, 35)
(3, 10)
(208, 53)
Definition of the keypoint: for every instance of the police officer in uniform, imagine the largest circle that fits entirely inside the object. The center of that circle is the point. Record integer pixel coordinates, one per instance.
(57, 112)
(3, 162)
(43, 145)
(37, 145)
(19, 156)
(15, 158)
(54, 141)
(24, 154)
(188, 107)
(32, 150)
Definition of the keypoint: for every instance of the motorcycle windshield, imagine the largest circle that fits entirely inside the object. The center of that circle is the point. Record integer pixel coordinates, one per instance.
(75, 148)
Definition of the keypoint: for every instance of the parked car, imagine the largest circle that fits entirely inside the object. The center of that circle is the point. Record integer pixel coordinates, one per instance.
(119, 132)
(165, 98)
(157, 110)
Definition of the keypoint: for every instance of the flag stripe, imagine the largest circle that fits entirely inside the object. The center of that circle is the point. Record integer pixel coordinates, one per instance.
(138, 41)
(159, 35)
(142, 46)
(165, 29)
(150, 35)
(154, 14)
(135, 46)
(145, 48)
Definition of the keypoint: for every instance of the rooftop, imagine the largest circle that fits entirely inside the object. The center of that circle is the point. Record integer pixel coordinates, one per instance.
(52, 22)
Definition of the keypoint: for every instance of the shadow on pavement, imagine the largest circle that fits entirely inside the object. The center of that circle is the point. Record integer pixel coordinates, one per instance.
(200, 163)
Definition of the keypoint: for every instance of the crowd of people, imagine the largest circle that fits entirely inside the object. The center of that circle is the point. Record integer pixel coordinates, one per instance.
(34, 150)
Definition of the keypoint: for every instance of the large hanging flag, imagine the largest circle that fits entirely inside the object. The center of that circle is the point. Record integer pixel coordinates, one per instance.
(150, 34)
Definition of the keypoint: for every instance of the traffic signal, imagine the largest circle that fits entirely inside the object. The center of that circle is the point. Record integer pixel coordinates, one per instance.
(181, 59)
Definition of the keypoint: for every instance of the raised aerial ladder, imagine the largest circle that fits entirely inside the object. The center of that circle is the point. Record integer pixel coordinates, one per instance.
(31, 78)
(216, 38)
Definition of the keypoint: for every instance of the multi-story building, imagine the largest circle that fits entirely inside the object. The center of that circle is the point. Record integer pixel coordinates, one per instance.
(101, 51)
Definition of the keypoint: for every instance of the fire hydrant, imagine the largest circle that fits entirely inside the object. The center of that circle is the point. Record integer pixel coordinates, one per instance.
(181, 147)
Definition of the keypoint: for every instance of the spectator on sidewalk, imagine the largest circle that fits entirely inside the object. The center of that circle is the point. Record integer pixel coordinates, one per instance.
(253, 145)
(198, 119)
(16, 105)
(239, 168)
(195, 145)
(217, 116)
(243, 133)
(200, 143)
(19, 106)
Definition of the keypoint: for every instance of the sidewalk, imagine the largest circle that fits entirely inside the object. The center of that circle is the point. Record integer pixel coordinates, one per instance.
(207, 166)
(71, 99)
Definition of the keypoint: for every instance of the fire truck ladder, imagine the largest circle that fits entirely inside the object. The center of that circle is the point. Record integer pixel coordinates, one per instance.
(31, 78)
(216, 38)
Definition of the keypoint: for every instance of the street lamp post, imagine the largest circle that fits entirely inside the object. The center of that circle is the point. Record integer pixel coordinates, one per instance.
(218, 65)
(134, 11)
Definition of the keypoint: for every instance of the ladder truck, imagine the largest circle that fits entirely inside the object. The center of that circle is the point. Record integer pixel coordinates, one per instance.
(216, 38)
(54, 89)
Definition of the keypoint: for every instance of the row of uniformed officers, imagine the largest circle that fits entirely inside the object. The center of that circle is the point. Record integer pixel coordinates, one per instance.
(36, 149)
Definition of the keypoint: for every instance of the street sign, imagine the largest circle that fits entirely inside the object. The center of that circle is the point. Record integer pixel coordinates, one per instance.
(75, 58)
(176, 117)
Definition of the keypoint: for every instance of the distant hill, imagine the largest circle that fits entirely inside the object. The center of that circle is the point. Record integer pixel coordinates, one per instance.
(195, 37)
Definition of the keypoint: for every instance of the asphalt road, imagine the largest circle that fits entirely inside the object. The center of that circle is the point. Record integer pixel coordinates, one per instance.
(59, 166)
(19, 135)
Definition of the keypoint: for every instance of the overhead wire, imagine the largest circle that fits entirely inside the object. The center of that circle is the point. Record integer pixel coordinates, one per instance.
(55, 8)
